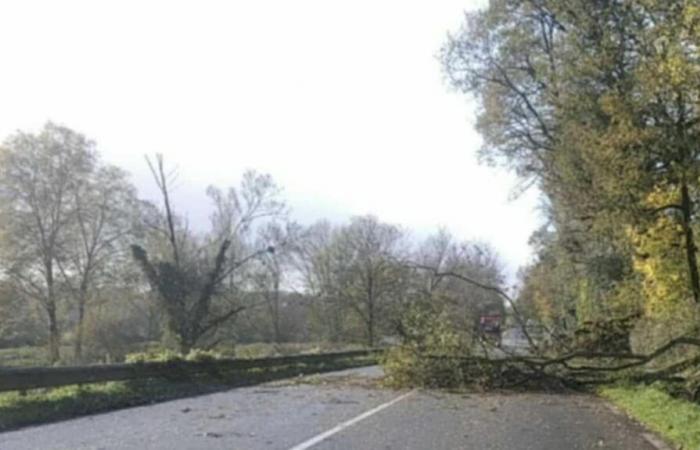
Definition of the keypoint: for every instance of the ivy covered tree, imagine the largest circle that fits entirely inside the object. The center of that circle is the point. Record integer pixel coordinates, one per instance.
(196, 281)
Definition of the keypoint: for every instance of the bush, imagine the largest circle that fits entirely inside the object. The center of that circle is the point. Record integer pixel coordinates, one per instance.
(199, 355)
(266, 350)
(109, 334)
(153, 356)
(166, 355)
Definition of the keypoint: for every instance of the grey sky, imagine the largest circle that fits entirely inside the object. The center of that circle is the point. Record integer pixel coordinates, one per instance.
(343, 103)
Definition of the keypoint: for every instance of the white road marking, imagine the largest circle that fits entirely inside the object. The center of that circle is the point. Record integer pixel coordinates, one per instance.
(325, 435)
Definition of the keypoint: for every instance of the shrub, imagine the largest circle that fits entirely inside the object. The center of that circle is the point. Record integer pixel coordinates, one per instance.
(200, 355)
(153, 356)
(166, 355)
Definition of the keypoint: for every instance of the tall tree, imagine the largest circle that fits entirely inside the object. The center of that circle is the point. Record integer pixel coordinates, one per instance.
(318, 269)
(371, 276)
(270, 275)
(39, 177)
(596, 102)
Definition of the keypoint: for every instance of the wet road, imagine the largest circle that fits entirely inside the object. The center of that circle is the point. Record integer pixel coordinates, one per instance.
(345, 410)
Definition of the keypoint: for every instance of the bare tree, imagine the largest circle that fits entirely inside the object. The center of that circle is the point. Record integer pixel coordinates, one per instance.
(464, 303)
(317, 270)
(39, 176)
(272, 270)
(370, 278)
(436, 251)
(103, 214)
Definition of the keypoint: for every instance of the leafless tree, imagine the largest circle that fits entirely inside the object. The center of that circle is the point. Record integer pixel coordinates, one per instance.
(367, 251)
(39, 177)
(104, 212)
(272, 271)
(435, 261)
(316, 268)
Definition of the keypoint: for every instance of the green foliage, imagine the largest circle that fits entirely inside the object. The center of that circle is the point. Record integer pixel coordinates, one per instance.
(660, 260)
(263, 350)
(266, 350)
(598, 107)
(164, 355)
(650, 333)
(167, 355)
(46, 405)
(428, 336)
(40, 405)
(199, 355)
(677, 420)
(606, 336)
(20, 324)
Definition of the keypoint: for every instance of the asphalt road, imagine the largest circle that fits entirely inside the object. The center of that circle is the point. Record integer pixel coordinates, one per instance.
(345, 410)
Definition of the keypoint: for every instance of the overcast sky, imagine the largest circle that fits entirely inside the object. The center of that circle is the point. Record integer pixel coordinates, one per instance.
(342, 102)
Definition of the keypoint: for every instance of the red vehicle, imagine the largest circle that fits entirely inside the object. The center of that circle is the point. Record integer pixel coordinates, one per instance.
(490, 327)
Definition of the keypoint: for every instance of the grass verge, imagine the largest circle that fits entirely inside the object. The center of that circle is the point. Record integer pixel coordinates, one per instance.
(676, 420)
(49, 405)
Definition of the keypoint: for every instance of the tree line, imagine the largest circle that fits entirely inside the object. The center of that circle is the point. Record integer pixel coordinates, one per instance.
(596, 103)
(88, 263)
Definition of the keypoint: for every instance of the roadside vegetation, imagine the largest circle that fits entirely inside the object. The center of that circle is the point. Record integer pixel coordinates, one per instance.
(595, 103)
(31, 356)
(675, 419)
(18, 409)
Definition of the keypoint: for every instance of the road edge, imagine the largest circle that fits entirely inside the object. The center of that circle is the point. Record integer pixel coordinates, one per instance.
(652, 438)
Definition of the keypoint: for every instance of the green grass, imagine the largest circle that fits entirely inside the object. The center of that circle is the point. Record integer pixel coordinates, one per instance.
(44, 405)
(50, 405)
(265, 349)
(28, 356)
(675, 419)
(37, 356)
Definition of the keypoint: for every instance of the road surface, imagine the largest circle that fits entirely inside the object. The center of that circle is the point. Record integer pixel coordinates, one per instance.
(345, 410)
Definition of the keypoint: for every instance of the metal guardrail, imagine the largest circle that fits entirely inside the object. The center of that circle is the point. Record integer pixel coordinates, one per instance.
(19, 379)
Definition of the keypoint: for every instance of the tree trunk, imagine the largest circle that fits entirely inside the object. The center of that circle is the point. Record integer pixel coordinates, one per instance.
(185, 345)
(54, 336)
(370, 312)
(690, 248)
(276, 312)
(370, 326)
(335, 322)
(78, 348)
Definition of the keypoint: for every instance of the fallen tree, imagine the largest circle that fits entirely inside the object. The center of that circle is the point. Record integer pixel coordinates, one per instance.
(582, 368)
(424, 359)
